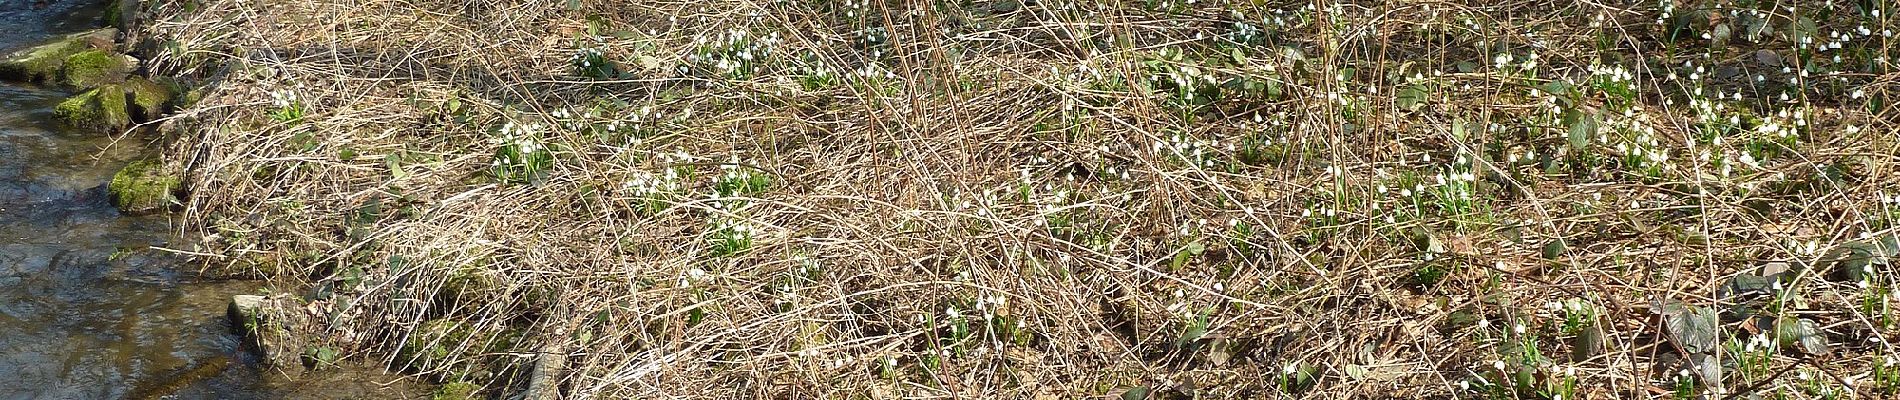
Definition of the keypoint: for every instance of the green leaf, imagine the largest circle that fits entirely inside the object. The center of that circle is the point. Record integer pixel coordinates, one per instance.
(1136, 393)
(1190, 335)
(1180, 259)
(1555, 249)
(1694, 329)
(394, 162)
(1557, 88)
(1708, 370)
(1467, 66)
(1853, 260)
(1718, 37)
(1589, 342)
(1186, 253)
(1791, 331)
(1743, 284)
(1411, 97)
(1583, 128)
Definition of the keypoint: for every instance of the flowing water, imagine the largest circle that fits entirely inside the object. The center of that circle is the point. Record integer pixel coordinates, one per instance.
(88, 309)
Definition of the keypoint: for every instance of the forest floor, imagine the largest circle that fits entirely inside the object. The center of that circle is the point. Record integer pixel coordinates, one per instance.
(1033, 199)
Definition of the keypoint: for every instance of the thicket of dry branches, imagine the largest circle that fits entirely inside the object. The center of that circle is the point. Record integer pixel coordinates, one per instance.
(1003, 199)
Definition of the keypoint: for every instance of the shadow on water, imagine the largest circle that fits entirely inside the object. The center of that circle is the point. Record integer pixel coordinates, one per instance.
(87, 309)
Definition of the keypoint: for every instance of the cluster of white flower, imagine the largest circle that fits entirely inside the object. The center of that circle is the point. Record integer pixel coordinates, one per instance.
(1838, 39)
(574, 120)
(1456, 179)
(1324, 210)
(690, 276)
(1611, 75)
(734, 52)
(645, 184)
(855, 8)
(632, 118)
(992, 306)
(872, 70)
(285, 98)
(736, 180)
(585, 57)
(511, 129)
(526, 145)
(1666, 14)
(525, 137)
(817, 69)
(787, 295)
(1191, 228)
(1783, 124)
(1641, 149)
(984, 203)
(1190, 149)
(1052, 205)
(1244, 32)
(735, 234)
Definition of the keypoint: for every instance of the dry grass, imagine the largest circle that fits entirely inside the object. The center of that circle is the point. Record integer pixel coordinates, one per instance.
(1005, 200)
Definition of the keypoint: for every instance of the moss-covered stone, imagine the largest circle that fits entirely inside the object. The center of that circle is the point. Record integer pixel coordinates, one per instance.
(91, 68)
(143, 186)
(266, 323)
(150, 97)
(44, 63)
(103, 107)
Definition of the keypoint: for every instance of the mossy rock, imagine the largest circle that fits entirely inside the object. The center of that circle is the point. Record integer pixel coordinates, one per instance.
(457, 390)
(103, 107)
(44, 63)
(143, 186)
(92, 68)
(266, 323)
(468, 284)
(150, 97)
(435, 342)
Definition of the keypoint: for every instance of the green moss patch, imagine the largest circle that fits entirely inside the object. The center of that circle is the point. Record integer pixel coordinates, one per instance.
(457, 390)
(143, 186)
(150, 97)
(91, 68)
(43, 63)
(103, 107)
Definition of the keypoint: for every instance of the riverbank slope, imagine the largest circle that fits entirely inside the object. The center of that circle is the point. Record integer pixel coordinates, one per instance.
(1003, 199)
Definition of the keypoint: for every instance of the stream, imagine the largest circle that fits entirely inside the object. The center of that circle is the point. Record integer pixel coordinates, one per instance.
(88, 308)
